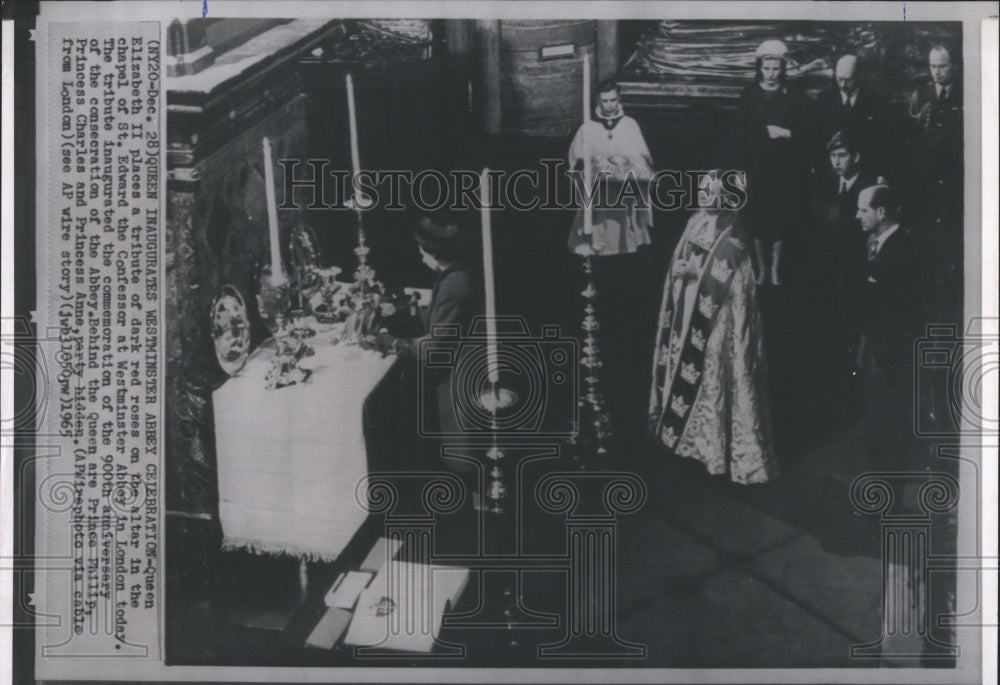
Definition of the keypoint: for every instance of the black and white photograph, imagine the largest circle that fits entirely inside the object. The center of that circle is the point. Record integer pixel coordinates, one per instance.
(635, 341)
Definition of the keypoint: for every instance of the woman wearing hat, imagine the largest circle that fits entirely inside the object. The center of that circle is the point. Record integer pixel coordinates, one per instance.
(456, 299)
(774, 142)
(457, 295)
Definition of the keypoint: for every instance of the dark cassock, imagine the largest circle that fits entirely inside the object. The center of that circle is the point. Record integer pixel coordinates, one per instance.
(709, 393)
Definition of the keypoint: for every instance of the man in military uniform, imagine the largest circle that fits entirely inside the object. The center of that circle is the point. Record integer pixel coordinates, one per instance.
(937, 180)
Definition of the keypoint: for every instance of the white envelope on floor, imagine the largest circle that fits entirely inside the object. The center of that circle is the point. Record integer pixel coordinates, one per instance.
(404, 605)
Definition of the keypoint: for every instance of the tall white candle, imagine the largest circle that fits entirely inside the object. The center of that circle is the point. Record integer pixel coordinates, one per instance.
(277, 274)
(588, 211)
(352, 119)
(491, 310)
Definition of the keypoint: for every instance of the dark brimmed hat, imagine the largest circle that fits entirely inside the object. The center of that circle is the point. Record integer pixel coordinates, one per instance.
(440, 237)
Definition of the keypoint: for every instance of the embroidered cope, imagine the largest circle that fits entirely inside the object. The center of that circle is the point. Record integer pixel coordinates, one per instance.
(709, 394)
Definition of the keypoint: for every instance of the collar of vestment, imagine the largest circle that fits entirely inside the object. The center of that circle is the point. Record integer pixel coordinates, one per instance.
(609, 122)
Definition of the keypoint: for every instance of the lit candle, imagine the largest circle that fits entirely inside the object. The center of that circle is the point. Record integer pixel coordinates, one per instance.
(491, 308)
(277, 274)
(588, 211)
(352, 118)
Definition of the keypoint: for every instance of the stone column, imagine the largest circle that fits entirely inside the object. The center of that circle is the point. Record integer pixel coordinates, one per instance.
(607, 49)
(489, 47)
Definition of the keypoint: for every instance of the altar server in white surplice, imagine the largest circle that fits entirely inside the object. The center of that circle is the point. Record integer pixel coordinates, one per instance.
(617, 150)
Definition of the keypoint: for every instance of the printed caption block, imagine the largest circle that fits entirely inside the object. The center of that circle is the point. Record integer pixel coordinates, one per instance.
(99, 235)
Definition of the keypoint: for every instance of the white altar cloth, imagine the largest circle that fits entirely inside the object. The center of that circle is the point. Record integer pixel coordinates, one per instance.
(289, 460)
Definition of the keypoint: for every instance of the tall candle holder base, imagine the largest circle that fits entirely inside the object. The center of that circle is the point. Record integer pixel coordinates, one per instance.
(495, 400)
(496, 492)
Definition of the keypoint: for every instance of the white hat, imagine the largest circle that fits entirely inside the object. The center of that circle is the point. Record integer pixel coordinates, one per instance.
(772, 48)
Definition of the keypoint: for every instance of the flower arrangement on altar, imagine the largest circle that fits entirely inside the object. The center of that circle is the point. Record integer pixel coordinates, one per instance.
(368, 309)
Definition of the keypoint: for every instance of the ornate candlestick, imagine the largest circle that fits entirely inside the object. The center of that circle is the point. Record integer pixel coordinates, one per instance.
(496, 491)
(364, 275)
(594, 420)
(274, 304)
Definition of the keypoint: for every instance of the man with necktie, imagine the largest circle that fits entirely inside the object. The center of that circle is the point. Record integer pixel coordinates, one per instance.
(852, 108)
(937, 183)
(889, 326)
(837, 257)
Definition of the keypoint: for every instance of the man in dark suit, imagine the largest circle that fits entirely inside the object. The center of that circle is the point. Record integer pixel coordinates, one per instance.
(860, 113)
(838, 262)
(838, 203)
(889, 326)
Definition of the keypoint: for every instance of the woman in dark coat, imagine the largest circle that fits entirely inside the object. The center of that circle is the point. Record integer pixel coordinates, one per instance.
(456, 299)
(775, 136)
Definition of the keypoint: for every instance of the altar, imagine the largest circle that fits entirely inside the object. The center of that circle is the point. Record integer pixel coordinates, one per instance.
(290, 460)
